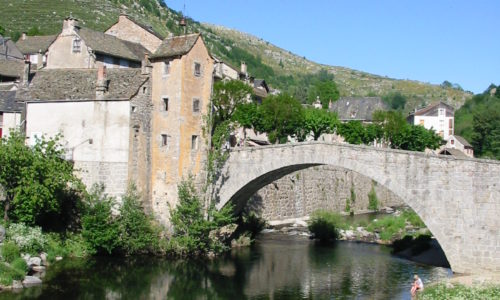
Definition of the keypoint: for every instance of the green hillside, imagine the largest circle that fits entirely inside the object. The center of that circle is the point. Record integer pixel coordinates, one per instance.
(281, 68)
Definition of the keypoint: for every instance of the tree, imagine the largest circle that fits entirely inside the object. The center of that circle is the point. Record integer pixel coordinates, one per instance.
(35, 180)
(280, 117)
(2, 31)
(326, 91)
(317, 121)
(395, 100)
(486, 131)
(227, 95)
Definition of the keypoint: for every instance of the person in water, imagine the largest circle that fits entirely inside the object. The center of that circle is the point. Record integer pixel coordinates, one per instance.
(418, 285)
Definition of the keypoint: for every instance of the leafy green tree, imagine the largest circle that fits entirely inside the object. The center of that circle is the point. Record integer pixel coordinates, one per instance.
(227, 95)
(192, 231)
(395, 100)
(2, 31)
(280, 117)
(486, 135)
(317, 121)
(353, 132)
(35, 180)
(326, 91)
(99, 228)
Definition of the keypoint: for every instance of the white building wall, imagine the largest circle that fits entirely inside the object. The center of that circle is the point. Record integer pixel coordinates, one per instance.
(438, 123)
(95, 136)
(11, 120)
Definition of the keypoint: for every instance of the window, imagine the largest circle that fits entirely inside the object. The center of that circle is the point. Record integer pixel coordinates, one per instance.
(422, 122)
(441, 111)
(165, 104)
(166, 67)
(164, 140)
(450, 123)
(452, 141)
(77, 48)
(196, 105)
(134, 108)
(197, 69)
(194, 142)
(144, 90)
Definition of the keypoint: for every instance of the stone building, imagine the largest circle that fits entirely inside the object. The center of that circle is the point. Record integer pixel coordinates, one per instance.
(457, 146)
(83, 48)
(103, 116)
(10, 112)
(130, 30)
(9, 50)
(438, 116)
(181, 89)
(35, 48)
(357, 109)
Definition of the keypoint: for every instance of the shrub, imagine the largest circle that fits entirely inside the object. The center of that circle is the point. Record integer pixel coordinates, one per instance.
(137, 234)
(323, 225)
(441, 291)
(388, 227)
(28, 239)
(372, 199)
(20, 265)
(99, 227)
(252, 224)
(191, 229)
(10, 251)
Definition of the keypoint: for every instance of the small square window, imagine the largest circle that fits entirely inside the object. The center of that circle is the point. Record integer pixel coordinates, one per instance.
(194, 142)
(164, 140)
(165, 104)
(196, 105)
(197, 69)
(144, 89)
(134, 108)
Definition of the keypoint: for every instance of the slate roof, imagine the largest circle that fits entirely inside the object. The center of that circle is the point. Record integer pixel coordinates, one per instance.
(453, 152)
(33, 44)
(7, 45)
(176, 46)
(429, 108)
(80, 84)
(462, 141)
(352, 108)
(8, 102)
(148, 28)
(11, 68)
(111, 45)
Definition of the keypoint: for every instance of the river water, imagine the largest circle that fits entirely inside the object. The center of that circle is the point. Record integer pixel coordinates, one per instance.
(275, 267)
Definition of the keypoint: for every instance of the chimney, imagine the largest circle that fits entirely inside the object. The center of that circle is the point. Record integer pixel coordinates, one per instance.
(101, 86)
(146, 65)
(39, 58)
(26, 72)
(70, 25)
(23, 36)
(244, 68)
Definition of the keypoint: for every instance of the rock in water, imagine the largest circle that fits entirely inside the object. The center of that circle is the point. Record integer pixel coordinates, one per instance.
(31, 281)
(34, 261)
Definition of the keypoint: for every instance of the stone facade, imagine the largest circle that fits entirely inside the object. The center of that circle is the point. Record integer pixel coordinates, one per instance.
(298, 194)
(127, 29)
(457, 198)
(178, 145)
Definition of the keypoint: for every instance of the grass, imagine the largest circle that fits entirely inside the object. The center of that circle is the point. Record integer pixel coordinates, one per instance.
(456, 292)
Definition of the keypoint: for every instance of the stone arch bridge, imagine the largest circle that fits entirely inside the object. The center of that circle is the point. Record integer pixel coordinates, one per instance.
(458, 199)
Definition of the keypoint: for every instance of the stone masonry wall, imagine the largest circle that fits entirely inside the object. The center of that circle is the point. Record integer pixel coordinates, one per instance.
(300, 193)
(112, 174)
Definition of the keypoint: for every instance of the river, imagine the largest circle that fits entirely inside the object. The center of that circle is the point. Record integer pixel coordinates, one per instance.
(275, 267)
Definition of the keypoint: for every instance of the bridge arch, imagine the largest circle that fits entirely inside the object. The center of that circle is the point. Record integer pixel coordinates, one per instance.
(458, 199)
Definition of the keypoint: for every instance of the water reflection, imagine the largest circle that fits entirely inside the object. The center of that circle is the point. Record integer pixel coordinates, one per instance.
(277, 267)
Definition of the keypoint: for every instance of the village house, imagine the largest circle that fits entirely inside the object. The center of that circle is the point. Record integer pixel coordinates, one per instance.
(224, 71)
(83, 48)
(103, 116)
(130, 30)
(10, 112)
(438, 116)
(181, 90)
(9, 50)
(457, 143)
(34, 48)
(357, 108)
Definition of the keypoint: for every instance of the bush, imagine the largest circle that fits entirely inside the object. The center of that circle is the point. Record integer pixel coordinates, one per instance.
(28, 239)
(20, 265)
(99, 228)
(388, 227)
(137, 234)
(10, 251)
(441, 291)
(191, 229)
(323, 225)
(252, 224)
(372, 199)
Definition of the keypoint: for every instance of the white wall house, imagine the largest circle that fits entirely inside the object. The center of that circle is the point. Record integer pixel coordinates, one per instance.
(10, 113)
(439, 116)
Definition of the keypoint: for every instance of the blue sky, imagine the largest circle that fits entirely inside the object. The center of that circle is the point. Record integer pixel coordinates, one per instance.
(429, 41)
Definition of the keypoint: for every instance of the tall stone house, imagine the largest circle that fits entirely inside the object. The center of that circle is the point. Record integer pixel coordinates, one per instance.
(126, 114)
(130, 30)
